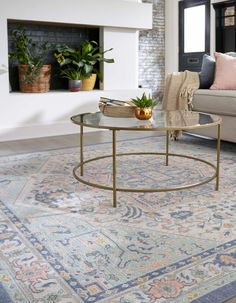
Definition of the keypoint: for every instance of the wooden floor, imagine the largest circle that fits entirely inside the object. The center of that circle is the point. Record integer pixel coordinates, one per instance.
(41, 144)
(47, 143)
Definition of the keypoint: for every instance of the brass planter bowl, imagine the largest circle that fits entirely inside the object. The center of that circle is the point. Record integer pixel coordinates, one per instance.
(143, 113)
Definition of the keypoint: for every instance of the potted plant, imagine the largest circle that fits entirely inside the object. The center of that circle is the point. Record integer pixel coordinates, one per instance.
(34, 75)
(85, 58)
(69, 68)
(144, 106)
(93, 55)
(74, 77)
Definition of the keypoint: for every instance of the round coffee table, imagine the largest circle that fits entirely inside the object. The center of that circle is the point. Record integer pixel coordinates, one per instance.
(167, 121)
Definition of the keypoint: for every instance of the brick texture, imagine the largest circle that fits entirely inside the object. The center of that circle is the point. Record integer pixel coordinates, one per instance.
(54, 34)
(152, 51)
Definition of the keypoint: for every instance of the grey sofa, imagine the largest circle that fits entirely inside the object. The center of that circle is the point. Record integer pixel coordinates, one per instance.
(222, 103)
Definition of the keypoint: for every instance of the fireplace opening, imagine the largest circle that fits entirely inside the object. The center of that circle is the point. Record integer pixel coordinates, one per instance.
(55, 33)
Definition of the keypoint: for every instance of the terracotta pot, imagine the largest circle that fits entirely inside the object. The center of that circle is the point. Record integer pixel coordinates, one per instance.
(89, 83)
(40, 85)
(143, 113)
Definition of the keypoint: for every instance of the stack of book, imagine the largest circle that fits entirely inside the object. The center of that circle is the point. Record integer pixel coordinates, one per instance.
(116, 108)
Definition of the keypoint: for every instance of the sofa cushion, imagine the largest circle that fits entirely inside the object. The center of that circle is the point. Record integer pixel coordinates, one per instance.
(222, 102)
(207, 73)
(232, 54)
(225, 72)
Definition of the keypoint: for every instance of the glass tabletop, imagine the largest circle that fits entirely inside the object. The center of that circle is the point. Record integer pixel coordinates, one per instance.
(161, 120)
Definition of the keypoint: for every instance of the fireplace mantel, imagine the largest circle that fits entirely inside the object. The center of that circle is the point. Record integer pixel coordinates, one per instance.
(33, 115)
(114, 13)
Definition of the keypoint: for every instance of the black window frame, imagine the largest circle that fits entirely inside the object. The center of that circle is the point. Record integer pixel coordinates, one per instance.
(220, 27)
(188, 4)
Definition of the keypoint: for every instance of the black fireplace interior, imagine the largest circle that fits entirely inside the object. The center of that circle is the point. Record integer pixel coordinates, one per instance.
(70, 34)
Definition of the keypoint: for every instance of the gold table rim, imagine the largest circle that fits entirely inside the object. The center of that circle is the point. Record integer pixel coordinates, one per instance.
(169, 128)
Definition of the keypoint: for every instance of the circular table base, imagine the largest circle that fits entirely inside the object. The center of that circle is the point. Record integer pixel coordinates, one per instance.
(206, 180)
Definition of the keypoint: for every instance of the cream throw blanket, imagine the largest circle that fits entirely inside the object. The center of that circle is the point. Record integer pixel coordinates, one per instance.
(178, 93)
(179, 90)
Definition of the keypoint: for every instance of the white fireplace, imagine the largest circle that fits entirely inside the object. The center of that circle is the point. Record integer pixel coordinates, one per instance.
(29, 115)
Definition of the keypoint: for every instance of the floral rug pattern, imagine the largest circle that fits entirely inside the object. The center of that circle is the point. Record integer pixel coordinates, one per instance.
(62, 241)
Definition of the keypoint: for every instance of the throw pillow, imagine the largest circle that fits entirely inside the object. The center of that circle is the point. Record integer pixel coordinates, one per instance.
(206, 76)
(232, 54)
(225, 72)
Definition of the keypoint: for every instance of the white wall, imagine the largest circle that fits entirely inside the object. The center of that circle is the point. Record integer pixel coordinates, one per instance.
(172, 32)
(171, 36)
(125, 53)
(25, 115)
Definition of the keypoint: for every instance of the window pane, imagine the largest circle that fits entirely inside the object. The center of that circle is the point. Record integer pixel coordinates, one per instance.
(194, 29)
(229, 11)
(229, 21)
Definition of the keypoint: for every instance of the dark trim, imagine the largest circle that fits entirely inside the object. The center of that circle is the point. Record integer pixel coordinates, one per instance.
(224, 3)
(208, 27)
(190, 3)
(221, 30)
(187, 4)
(181, 26)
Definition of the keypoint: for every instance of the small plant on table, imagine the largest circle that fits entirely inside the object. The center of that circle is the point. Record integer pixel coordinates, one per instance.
(144, 106)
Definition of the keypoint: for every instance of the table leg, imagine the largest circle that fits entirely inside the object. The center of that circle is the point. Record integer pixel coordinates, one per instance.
(114, 165)
(218, 158)
(81, 151)
(167, 148)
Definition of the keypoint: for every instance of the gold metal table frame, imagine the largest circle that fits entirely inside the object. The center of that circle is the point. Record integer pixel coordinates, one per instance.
(216, 122)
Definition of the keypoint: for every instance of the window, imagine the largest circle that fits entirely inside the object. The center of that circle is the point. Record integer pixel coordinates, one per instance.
(225, 26)
(194, 33)
(229, 16)
(194, 29)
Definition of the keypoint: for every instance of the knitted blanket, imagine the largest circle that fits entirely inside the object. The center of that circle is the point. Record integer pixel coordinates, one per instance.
(178, 93)
(179, 90)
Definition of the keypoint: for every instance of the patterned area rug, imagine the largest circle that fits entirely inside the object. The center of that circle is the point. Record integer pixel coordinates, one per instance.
(62, 242)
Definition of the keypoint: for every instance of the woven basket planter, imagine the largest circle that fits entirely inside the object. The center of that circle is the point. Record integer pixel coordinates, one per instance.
(41, 83)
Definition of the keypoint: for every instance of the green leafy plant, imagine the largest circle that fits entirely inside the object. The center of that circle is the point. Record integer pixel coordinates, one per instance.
(72, 73)
(144, 101)
(84, 58)
(29, 53)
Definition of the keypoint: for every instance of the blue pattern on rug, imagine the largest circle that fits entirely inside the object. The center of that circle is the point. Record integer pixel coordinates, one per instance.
(62, 242)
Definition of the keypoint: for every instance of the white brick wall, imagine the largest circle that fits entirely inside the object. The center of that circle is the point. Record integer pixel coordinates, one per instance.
(152, 51)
